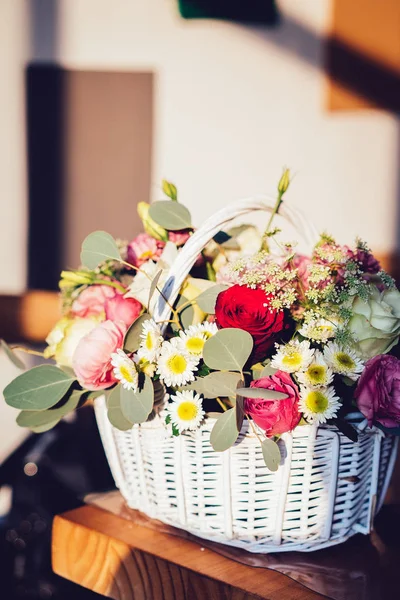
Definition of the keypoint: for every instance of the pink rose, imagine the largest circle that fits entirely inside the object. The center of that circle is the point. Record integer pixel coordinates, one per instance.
(90, 302)
(92, 358)
(143, 248)
(179, 237)
(378, 391)
(123, 309)
(275, 416)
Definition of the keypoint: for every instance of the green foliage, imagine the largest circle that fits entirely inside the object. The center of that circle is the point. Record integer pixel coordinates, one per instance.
(186, 313)
(206, 300)
(136, 406)
(170, 190)
(39, 388)
(225, 432)
(114, 411)
(132, 337)
(37, 419)
(16, 361)
(228, 349)
(170, 215)
(98, 247)
(255, 392)
(153, 285)
(216, 384)
(271, 454)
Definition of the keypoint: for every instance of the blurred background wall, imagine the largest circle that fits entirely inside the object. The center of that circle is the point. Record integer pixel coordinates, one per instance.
(133, 93)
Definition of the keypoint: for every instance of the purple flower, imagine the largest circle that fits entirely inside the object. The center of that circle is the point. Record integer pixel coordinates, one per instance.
(378, 391)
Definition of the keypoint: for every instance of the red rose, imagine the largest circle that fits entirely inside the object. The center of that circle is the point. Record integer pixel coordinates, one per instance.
(244, 308)
(275, 416)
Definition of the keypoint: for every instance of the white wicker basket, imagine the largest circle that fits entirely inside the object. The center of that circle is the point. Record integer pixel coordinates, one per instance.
(326, 489)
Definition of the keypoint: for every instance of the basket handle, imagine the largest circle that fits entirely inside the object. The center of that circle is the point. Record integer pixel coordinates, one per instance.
(198, 241)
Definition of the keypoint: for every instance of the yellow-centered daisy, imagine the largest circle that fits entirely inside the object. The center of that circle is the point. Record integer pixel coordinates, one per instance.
(175, 365)
(343, 361)
(151, 340)
(317, 374)
(125, 370)
(318, 405)
(292, 357)
(318, 330)
(186, 410)
(193, 340)
(206, 328)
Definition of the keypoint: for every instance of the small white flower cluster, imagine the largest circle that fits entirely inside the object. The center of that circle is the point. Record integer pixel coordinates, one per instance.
(314, 370)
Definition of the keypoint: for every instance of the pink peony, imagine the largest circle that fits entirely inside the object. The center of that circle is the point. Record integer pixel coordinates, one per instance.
(275, 416)
(179, 237)
(92, 358)
(143, 248)
(90, 302)
(378, 391)
(123, 309)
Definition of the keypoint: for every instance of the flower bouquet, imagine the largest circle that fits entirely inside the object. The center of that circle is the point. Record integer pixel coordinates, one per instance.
(244, 391)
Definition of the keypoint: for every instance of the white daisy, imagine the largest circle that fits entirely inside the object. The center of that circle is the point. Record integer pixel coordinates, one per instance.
(318, 405)
(317, 374)
(175, 365)
(125, 370)
(151, 341)
(207, 328)
(292, 357)
(186, 410)
(318, 330)
(343, 361)
(193, 340)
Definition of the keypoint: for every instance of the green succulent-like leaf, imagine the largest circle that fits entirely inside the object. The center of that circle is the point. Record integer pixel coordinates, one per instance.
(98, 247)
(136, 406)
(271, 454)
(45, 427)
(256, 392)
(170, 215)
(218, 383)
(267, 371)
(224, 433)
(39, 388)
(207, 300)
(153, 285)
(38, 419)
(114, 411)
(9, 352)
(169, 190)
(228, 350)
(132, 337)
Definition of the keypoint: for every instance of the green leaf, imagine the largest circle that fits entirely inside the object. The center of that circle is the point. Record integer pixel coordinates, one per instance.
(136, 406)
(213, 415)
(271, 454)
(153, 285)
(169, 190)
(132, 337)
(267, 371)
(239, 403)
(9, 352)
(215, 384)
(114, 411)
(256, 392)
(45, 427)
(206, 301)
(224, 433)
(38, 418)
(228, 350)
(98, 247)
(170, 215)
(186, 314)
(38, 389)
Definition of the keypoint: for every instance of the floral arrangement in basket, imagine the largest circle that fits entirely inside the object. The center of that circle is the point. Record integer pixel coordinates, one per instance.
(257, 332)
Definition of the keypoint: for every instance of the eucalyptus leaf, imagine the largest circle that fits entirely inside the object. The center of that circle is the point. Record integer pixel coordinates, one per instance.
(9, 352)
(215, 384)
(239, 406)
(38, 418)
(114, 411)
(170, 215)
(268, 371)
(98, 247)
(265, 394)
(45, 427)
(207, 300)
(132, 337)
(38, 389)
(169, 190)
(136, 406)
(186, 314)
(213, 415)
(228, 349)
(224, 433)
(153, 285)
(271, 454)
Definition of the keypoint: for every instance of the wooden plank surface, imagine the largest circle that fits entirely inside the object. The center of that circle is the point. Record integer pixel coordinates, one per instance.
(126, 561)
